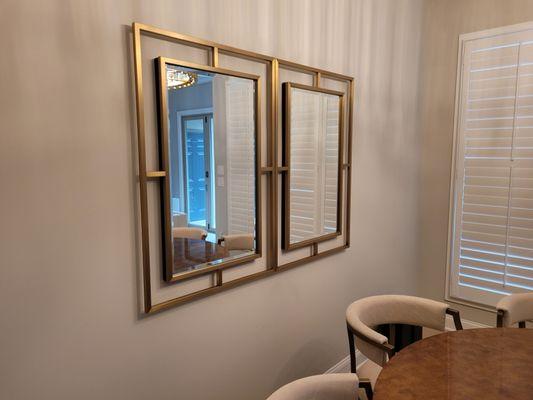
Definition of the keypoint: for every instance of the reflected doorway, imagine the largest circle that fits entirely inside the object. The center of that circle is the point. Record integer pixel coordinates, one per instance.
(198, 148)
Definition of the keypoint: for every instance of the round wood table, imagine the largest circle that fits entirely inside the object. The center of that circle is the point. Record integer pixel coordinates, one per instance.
(490, 363)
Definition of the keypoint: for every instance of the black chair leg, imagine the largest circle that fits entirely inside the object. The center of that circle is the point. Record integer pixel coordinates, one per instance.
(351, 342)
(363, 383)
(367, 386)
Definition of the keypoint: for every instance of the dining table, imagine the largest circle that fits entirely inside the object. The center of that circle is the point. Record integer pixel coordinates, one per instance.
(191, 254)
(486, 363)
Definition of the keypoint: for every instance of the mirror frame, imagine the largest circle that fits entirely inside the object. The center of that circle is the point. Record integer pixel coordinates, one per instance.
(163, 128)
(286, 199)
(271, 170)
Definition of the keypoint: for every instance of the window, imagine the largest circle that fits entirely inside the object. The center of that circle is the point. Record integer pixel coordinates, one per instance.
(491, 227)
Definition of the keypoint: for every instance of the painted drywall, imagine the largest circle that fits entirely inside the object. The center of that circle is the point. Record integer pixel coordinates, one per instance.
(69, 248)
(444, 21)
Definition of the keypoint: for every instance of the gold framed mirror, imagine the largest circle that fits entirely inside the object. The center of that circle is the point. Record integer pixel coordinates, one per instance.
(204, 279)
(210, 152)
(312, 155)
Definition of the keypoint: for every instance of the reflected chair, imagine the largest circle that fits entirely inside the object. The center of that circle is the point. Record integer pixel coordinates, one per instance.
(189, 233)
(320, 387)
(514, 308)
(365, 315)
(238, 242)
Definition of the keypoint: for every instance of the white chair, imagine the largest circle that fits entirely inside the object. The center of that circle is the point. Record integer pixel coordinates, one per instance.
(320, 387)
(238, 242)
(514, 308)
(189, 233)
(364, 315)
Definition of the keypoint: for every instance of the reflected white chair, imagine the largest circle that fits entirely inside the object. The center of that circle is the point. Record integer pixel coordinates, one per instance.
(364, 315)
(514, 308)
(189, 233)
(320, 387)
(238, 242)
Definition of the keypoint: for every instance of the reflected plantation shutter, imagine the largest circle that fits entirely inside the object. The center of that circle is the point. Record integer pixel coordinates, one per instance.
(240, 155)
(492, 237)
(331, 171)
(313, 189)
(304, 173)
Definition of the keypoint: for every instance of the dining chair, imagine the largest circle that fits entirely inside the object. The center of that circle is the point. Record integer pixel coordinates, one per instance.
(320, 387)
(514, 308)
(237, 242)
(189, 233)
(365, 315)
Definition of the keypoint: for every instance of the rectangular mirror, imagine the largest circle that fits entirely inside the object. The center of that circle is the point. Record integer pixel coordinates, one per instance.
(312, 155)
(209, 140)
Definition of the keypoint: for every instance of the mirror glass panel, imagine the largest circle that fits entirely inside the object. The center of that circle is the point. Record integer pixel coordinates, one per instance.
(212, 147)
(312, 144)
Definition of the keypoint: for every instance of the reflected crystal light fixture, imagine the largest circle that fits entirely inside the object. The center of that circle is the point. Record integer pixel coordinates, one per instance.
(177, 79)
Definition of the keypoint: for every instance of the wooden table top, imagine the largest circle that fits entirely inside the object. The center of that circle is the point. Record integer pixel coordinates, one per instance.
(489, 363)
(189, 254)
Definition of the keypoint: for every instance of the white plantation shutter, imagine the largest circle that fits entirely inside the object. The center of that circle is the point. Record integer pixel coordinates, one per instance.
(240, 131)
(492, 252)
(314, 150)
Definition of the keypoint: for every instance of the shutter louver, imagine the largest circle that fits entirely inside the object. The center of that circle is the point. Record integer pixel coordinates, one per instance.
(493, 228)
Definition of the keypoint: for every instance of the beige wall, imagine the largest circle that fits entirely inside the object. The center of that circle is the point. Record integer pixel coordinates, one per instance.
(444, 21)
(68, 245)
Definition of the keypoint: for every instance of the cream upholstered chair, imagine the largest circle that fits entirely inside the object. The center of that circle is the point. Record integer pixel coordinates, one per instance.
(364, 315)
(515, 308)
(238, 242)
(320, 387)
(189, 233)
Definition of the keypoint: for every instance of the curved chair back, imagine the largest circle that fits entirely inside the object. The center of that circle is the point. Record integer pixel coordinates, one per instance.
(364, 315)
(238, 242)
(515, 308)
(320, 387)
(189, 233)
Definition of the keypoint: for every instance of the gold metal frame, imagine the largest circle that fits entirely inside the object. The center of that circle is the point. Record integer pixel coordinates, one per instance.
(272, 170)
(161, 63)
(286, 202)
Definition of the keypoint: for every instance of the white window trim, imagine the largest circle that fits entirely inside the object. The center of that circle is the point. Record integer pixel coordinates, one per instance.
(463, 38)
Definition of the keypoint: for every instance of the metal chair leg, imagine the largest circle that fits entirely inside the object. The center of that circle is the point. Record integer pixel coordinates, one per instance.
(456, 318)
(351, 342)
(367, 386)
(499, 318)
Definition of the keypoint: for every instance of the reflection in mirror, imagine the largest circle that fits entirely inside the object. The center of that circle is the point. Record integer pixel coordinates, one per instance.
(210, 135)
(312, 153)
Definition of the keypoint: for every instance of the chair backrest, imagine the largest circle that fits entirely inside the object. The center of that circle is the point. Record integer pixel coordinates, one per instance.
(320, 387)
(238, 242)
(189, 233)
(364, 315)
(515, 308)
